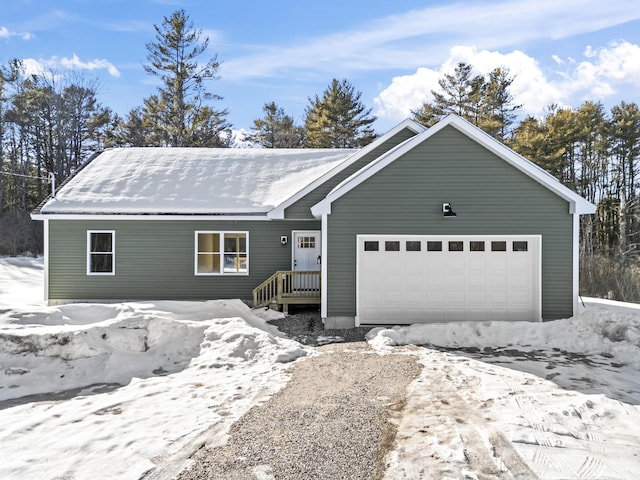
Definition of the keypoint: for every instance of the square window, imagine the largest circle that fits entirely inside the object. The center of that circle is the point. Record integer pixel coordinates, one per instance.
(413, 246)
(221, 253)
(434, 246)
(520, 246)
(306, 242)
(371, 246)
(499, 246)
(456, 246)
(100, 252)
(392, 246)
(476, 246)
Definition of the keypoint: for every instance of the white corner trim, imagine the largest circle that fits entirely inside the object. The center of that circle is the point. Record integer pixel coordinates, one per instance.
(323, 268)
(576, 262)
(46, 259)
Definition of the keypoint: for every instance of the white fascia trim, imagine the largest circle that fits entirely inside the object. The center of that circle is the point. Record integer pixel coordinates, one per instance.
(278, 212)
(323, 268)
(577, 204)
(87, 216)
(46, 260)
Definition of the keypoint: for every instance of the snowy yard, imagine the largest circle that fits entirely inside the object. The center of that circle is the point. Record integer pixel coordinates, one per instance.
(126, 390)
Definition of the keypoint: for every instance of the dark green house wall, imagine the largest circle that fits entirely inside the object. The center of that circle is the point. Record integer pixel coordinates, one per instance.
(155, 259)
(302, 208)
(489, 196)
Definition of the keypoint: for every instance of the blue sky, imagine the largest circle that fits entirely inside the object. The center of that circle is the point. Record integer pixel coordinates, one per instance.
(560, 51)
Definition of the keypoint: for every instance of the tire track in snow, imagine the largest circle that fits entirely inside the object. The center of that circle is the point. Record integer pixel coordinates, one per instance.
(549, 461)
(507, 454)
(591, 468)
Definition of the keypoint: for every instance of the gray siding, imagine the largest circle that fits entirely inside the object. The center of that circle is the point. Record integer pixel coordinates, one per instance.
(155, 259)
(489, 196)
(302, 208)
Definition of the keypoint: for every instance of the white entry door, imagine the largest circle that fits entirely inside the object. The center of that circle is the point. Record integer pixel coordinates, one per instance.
(306, 258)
(306, 251)
(417, 279)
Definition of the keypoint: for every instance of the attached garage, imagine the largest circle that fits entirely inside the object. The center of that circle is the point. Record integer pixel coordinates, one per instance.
(450, 225)
(415, 279)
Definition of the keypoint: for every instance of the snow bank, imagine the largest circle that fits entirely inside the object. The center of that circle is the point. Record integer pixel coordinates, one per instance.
(602, 327)
(66, 347)
(126, 389)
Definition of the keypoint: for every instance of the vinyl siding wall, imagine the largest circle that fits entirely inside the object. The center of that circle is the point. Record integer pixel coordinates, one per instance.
(302, 208)
(489, 196)
(155, 259)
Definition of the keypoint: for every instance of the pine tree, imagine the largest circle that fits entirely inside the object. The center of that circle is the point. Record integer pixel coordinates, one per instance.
(178, 111)
(498, 107)
(275, 129)
(338, 119)
(459, 93)
(485, 102)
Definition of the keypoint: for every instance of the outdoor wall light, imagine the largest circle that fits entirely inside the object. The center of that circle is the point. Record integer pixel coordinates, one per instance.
(284, 240)
(447, 211)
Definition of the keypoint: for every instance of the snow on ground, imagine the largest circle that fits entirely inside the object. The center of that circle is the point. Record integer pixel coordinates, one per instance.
(117, 390)
(556, 400)
(130, 389)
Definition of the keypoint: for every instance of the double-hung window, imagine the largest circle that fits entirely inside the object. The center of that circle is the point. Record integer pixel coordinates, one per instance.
(222, 253)
(101, 253)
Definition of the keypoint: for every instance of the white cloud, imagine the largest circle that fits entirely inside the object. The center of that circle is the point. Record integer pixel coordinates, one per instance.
(32, 66)
(74, 63)
(594, 78)
(6, 33)
(413, 38)
(529, 87)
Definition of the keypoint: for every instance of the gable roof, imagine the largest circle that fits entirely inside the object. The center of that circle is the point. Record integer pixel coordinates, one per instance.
(279, 211)
(204, 181)
(577, 204)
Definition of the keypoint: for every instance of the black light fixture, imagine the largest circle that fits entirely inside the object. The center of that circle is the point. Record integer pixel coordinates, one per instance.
(447, 211)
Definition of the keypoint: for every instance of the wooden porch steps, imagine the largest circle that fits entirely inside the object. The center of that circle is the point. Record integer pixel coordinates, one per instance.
(287, 287)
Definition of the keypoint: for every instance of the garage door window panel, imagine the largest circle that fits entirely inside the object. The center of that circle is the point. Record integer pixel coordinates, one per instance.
(434, 246)
(521, 246)
(476, 246)
(413, 246)
(392, 246)
(371, 246)
(456, 246)
(499, 246)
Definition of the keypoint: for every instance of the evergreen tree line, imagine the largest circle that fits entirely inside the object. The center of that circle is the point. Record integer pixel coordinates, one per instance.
(51, 124)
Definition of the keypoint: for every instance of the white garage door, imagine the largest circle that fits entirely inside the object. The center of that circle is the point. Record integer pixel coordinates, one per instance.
(417, 279)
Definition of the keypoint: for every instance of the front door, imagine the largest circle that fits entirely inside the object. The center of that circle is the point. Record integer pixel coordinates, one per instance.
(306, 251)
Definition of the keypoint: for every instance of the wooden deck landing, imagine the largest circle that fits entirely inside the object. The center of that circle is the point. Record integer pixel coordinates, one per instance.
(288, 287)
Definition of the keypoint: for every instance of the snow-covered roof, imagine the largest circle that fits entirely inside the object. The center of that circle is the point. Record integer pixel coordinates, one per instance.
(191, 180)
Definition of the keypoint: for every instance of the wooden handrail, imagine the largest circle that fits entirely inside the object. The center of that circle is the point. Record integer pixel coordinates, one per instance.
(287, 286)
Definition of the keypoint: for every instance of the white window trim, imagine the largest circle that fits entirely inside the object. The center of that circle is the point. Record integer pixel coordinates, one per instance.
(222, 233)
(113, 253)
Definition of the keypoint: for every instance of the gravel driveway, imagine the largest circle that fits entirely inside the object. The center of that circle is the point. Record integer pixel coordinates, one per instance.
(335, 419)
